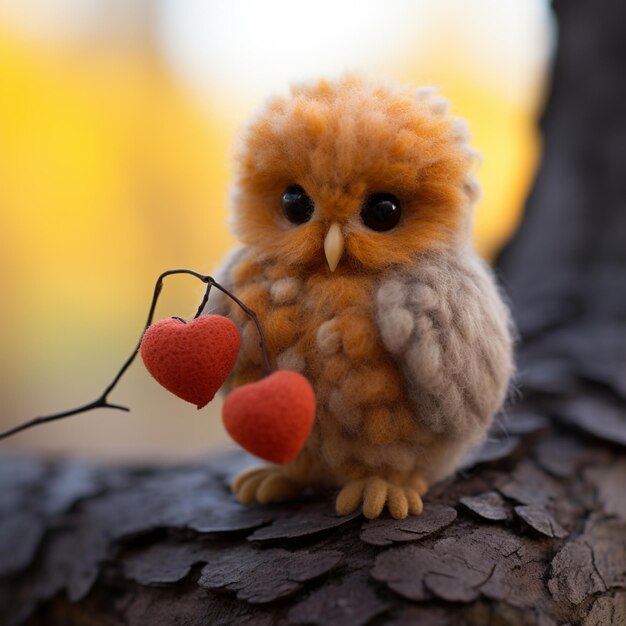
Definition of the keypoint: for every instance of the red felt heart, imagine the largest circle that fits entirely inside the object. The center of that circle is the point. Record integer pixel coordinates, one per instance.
(191, 359)
(273, 417)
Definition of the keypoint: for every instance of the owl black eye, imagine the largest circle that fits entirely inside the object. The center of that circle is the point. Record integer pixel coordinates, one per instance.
(381, 211)
(297, 205)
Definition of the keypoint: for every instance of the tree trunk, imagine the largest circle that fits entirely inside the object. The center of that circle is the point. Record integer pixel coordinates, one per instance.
(532, 531)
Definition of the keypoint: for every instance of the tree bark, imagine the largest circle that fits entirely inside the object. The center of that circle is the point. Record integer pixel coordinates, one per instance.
(531, 532)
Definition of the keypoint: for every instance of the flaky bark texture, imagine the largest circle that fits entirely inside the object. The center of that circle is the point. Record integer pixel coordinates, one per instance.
(532, 531)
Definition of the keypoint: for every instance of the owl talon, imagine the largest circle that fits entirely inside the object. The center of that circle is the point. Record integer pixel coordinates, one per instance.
(248, 490)
(374, 497)
(397, 502)
(374, 493)
(414, 501)
(350, 497)
(276, 487)
(243, 476)
(263, 484)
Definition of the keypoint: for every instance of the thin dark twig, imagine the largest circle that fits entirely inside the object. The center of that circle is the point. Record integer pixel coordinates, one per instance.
(205, 299)
(96, 404)
(102, 401)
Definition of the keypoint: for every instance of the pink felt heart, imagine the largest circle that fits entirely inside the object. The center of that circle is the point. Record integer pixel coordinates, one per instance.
(191, 359)
(273, 417)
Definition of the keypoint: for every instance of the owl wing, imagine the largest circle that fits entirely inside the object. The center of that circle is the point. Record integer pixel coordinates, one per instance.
(449, 330)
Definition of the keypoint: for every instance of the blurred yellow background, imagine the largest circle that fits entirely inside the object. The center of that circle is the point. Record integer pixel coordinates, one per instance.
(117, 120)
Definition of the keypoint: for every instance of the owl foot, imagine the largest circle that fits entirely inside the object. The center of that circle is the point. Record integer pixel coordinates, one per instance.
(263, 484)
(374, 493)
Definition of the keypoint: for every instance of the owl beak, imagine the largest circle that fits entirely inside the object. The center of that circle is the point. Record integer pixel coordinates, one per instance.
(333, 246)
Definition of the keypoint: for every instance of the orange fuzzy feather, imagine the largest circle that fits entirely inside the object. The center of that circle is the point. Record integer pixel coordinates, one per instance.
(341, 141)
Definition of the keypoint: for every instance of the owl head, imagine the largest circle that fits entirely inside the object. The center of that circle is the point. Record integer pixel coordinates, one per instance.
(351, 176)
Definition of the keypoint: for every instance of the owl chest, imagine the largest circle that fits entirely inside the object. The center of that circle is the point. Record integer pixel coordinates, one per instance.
(326, 329)
(322, 327)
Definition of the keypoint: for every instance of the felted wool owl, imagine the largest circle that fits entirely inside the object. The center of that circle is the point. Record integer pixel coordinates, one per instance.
(353, 203)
